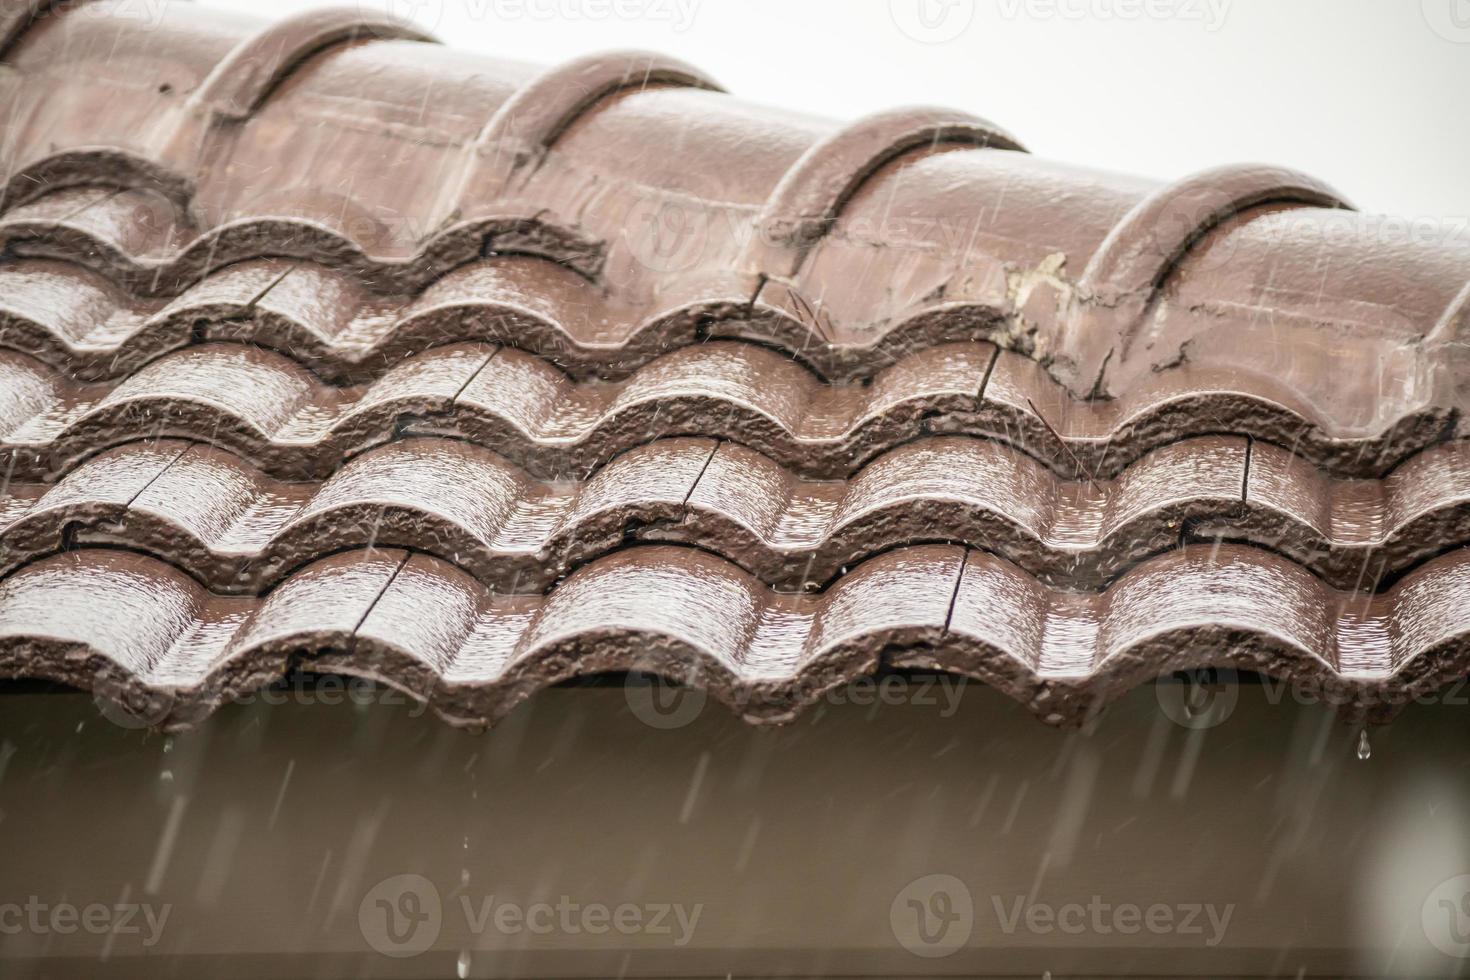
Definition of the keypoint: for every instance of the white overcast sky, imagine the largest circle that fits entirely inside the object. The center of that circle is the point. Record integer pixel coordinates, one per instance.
(1373, 96)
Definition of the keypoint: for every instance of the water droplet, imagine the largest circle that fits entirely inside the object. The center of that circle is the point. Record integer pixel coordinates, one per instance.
(168, 744)
(462, 967)
(166, 776)
(1365, 751)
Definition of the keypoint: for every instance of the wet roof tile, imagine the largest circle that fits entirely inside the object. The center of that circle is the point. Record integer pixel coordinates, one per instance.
(902, 394)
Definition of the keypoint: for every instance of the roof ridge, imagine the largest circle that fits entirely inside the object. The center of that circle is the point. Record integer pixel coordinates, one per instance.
(1099, 332)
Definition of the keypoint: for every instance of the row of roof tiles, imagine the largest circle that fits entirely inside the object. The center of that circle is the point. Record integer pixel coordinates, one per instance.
(265, 406)
(202, 140)
(569, 318)
(237, 530)
(141, 633)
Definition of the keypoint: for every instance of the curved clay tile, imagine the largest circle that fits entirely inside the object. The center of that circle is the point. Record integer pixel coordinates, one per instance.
(433, 631)
(320, 345)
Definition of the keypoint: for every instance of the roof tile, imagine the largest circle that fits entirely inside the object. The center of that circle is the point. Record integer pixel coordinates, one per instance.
(607, 370)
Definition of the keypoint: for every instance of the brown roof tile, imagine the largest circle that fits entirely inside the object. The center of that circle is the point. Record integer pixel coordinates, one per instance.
(159, 643)
(237, 530)
(265, 405)
(1028, 422)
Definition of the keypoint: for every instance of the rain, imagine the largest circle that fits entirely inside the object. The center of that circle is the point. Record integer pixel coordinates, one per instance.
(650, 488)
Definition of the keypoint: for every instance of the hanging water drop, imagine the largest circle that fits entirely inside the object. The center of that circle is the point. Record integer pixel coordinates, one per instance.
(462, 967)
(1365, 751)
(168, 744)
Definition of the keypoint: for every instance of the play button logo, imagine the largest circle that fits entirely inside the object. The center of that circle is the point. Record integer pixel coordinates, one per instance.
(1450, 19)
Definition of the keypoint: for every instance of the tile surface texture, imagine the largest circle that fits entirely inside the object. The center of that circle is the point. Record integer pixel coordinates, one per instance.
(325, 346)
